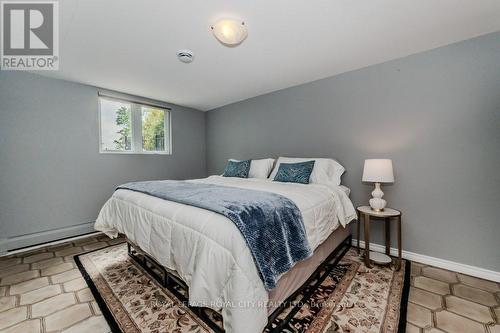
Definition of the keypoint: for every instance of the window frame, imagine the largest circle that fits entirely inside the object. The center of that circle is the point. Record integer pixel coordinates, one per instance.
(136, 127)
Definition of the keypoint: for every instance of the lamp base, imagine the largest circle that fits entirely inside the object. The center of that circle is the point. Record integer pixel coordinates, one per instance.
(380, 258)
(376, 202)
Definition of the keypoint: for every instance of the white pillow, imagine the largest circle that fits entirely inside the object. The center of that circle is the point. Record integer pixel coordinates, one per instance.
(325, 171)
(259, 168)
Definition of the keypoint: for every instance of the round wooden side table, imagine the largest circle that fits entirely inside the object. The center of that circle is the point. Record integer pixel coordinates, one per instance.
(386, 215)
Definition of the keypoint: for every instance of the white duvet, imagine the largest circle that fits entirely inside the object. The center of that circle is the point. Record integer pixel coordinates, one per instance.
(208, 251)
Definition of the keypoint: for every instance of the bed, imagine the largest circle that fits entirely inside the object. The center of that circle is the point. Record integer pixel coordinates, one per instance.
(212, 257)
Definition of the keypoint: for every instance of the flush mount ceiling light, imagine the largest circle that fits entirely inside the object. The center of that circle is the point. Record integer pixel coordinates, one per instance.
(230, 32)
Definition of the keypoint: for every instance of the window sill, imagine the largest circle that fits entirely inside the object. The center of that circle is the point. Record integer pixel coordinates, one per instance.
(134, 153)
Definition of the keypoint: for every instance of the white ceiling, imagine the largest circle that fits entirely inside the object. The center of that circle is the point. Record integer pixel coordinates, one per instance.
(130, 46)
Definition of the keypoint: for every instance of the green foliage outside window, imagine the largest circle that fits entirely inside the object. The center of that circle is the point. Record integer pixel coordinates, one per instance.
(153, 129)
(124, 142)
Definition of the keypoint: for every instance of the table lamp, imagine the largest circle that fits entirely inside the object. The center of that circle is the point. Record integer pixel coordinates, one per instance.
(378, 171)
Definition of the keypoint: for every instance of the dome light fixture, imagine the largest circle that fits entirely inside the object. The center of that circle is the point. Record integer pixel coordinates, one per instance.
(230, 32)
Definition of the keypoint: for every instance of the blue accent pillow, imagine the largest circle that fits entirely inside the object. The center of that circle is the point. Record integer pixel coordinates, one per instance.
(295, 172)
(237, 169)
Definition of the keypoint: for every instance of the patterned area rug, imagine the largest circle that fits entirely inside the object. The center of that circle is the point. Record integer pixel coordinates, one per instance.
(351, 299)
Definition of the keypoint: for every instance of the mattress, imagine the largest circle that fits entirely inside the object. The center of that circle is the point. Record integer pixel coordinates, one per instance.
(207, 250)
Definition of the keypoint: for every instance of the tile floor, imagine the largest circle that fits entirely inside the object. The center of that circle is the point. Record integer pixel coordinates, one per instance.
(42, 291)
(445, 301)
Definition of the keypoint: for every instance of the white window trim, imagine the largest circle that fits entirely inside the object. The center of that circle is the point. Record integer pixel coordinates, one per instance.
(136, 119)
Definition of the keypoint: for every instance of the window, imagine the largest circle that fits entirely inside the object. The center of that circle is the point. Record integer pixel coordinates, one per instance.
(133, 127)
(116, 125)
(153, 129)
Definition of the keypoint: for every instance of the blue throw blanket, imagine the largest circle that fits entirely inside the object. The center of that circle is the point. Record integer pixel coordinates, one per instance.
(271, 224)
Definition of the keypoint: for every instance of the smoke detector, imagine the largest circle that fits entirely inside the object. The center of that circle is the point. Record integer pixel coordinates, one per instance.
(186, 56)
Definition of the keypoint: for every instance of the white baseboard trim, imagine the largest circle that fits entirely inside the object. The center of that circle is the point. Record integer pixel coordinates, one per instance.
(7, 244)
(432, 261)
(60, 241)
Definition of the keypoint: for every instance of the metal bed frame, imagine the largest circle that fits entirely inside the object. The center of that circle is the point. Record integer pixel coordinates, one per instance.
(171, 281)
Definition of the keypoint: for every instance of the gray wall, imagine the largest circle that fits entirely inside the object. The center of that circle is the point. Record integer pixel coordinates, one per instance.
(53, 180)
(436, 114)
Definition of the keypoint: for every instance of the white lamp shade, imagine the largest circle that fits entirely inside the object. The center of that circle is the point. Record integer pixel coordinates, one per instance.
(378, 171)
(230, 32)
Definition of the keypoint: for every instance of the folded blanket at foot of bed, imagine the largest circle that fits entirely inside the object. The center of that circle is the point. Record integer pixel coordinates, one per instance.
(271, 224)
